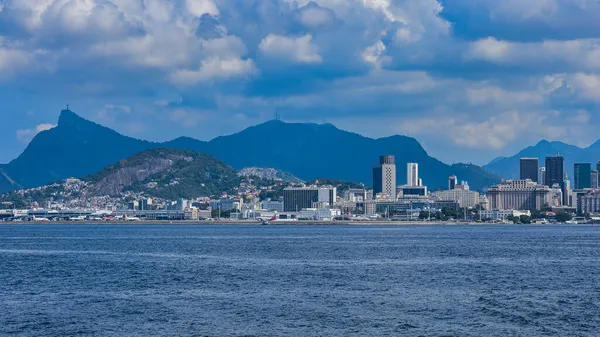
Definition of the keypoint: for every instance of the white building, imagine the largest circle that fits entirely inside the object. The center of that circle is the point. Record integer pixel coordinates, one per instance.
(319, 214)
(499, 215)
(519, 195)
(589, 202)
(542, 176)
(412, 174)
(272, 205)
(465, 198)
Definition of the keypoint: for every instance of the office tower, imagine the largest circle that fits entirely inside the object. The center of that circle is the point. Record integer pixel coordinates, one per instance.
(598, 166)
(296, 199)
(555, 171)
(384, 177)
(541, 176)
(519, 195)
(412, 174)
(594, 179)
(567, 192)
(529, 169)
(583, 175)
(452, 182)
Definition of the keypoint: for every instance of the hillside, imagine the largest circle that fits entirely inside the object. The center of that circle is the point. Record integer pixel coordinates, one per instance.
(77, 148)
(509, 167)
(165, 173)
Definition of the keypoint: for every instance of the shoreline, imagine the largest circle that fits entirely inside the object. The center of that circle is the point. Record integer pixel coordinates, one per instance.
(280, 223)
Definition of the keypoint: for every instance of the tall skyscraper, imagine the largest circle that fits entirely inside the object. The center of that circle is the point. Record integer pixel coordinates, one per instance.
(452, 182)
(594, 179)
(412, 174)
(583, 175)
(555, 171)
(529, 169)
(541, 176)
(384, 177)
(598, 166)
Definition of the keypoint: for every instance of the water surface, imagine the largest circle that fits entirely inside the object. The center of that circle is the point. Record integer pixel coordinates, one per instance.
(81, 280)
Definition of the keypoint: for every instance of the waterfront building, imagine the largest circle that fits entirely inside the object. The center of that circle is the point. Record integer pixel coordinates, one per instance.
(465, 198)
(583, 175)
(529, 169)
(412, 174)
(519, 195)
(411, 191)
(555, 170)
(594, 179)
(384, 178)
(500, 215)
(231, 204)
(298, 198)
(452, 182)
(588, 202)
(272, 205)
(319, 214)
(133, 205)
(541, 176)
(355, 194)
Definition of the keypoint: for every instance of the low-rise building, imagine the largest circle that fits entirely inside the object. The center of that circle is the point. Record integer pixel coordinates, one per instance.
(499, 215)
(318, 214)
(465, 198)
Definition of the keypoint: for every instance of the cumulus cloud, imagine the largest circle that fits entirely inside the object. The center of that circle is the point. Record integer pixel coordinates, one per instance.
(376, 66)
(26, 135)
(296, 49)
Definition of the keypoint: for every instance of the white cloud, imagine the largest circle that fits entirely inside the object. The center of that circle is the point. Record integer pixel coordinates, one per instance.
(26, 135)
(299, 49)
(215, 69)
(201, 7)
(489, 49)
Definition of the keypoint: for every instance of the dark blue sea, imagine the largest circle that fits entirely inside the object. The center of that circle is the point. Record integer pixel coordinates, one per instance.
(128, 280)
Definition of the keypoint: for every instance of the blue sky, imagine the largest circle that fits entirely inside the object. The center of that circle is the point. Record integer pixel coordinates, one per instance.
(470, 79)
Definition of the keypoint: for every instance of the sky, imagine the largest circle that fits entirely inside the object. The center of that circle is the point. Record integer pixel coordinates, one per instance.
(470, 79)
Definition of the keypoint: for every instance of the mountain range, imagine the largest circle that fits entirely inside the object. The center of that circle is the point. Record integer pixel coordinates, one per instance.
(508, 167)
(77, 147)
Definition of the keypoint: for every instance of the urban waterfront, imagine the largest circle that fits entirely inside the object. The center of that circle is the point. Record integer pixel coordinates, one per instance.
(299, 280)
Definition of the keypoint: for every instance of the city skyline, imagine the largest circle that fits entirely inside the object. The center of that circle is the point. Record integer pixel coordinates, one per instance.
(427, 69)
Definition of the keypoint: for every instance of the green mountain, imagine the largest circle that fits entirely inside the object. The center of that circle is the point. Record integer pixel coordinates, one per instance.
(165, 173)
(77, 148)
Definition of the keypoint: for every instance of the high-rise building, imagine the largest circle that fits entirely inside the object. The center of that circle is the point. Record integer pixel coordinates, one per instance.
(452, 182)
(555, 171)
(541, 176)
(296, 199)
(567, 192)
(412, 174)
(598, 166)
(384, 177)
(529, 169)
(583, 175)
(519, 195)
(594, 179)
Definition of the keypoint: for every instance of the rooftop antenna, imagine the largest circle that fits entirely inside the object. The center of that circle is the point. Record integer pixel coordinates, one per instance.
(67, 107)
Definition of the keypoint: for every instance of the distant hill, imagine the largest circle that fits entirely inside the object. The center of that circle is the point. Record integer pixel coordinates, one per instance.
(268, 174)
(165, 173)
(509, 167)
(77, 148)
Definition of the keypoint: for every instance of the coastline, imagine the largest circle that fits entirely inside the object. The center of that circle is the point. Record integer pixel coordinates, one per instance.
(281, 223)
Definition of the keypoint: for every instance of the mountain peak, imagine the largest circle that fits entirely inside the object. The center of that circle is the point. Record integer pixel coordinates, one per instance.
(69, 118)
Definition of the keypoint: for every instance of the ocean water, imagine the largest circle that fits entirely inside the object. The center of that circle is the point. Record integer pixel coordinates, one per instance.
(81, 280)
